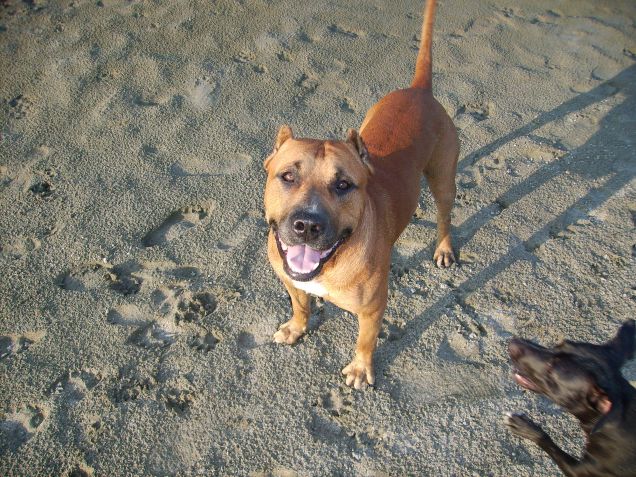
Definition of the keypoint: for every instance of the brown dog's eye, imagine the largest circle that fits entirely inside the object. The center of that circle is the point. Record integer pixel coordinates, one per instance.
(287, 177)
(343, 185)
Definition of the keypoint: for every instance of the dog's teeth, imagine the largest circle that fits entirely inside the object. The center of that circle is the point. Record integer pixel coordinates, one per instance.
(326, 252)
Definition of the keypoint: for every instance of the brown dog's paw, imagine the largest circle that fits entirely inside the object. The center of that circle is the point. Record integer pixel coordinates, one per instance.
(288, 333)
(444, 256)
(523, 426)
(359, 374)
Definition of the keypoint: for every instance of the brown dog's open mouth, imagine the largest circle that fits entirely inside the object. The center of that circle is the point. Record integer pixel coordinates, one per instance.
(303, 263)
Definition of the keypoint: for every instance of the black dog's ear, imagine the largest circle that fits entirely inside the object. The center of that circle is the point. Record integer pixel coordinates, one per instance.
(600, 400)
(622, 345)
(356, 140)
(284, 133)
(610, 407)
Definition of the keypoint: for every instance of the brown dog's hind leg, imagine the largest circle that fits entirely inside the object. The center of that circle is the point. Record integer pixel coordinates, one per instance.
(360, 371)
(290, 331)
(443, 189)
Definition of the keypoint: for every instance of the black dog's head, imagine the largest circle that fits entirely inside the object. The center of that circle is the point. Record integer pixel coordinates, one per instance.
(583, 378)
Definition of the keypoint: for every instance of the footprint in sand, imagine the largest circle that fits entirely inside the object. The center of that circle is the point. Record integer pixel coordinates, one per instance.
(244, 56)
(542, 152)
(20, 107)
(470, 177)
(126, 315)
(394, 329)
(5, 175)
(177, 311)
(285, 55)
(193, 309)
(204, 93)
(131, 387)
(348, 106)
(97, 275)
(20, 426)
(179, 399)
(308, 82)
(336, 402)
(177, 224)
(458, 344)
(469, 258)
(494, 163)
(19, 247)
(73, 386)
(569, 231)
(154, 335)
(248, 226)
(344, 31)
(42, 189)
(204, 342)
(479, 111)
(13, 344)
(278, 471)
(82, 470)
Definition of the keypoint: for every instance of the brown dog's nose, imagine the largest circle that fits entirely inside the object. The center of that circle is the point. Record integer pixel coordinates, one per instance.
(308, 227)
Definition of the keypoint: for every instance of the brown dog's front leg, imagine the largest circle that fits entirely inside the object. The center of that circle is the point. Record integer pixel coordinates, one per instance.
(360, 370)
(290, 331)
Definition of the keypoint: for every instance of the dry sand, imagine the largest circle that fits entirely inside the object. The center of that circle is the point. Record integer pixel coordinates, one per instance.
(137, 305)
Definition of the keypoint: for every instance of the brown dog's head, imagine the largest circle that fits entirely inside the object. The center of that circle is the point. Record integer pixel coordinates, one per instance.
(314, 198)
(583, 378)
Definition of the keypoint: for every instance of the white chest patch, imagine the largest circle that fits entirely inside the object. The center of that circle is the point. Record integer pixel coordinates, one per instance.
(313, 287)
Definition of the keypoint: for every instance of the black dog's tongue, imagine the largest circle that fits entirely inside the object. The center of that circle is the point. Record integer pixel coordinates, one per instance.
(525, 382)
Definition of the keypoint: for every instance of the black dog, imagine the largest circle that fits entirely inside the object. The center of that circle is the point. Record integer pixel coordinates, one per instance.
(586, 380)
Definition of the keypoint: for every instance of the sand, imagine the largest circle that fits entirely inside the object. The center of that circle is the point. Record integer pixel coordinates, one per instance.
(137, 306)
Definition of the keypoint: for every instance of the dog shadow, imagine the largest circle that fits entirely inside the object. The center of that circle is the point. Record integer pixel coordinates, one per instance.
(605, 158)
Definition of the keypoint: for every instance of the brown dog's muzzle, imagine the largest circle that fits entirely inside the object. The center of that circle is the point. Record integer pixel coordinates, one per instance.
(312, 228)
(306, 239)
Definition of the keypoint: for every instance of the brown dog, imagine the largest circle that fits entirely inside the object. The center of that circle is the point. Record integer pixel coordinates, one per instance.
(335, 208)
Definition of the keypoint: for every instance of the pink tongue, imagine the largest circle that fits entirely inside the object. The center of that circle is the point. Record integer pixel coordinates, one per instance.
(302, 259)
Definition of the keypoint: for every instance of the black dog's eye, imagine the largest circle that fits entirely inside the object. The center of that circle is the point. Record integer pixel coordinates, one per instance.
(343, 185)
(288, 176)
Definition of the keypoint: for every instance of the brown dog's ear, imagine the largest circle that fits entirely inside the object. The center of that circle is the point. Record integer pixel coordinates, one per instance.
(356, 140)
(284, 133)
(622, 345)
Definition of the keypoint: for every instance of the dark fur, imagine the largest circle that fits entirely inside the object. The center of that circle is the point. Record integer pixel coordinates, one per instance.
(586, 380)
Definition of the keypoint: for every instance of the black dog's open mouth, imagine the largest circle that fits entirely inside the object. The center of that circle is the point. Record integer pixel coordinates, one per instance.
(525, 382)
(301, 262)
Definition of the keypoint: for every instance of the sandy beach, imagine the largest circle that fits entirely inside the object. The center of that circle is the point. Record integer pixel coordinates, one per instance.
(137, 304)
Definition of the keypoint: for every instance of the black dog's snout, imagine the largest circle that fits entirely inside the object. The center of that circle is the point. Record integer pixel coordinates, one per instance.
(515, 348)
(308, 226)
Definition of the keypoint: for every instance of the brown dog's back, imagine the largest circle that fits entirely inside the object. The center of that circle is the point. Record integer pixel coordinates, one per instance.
(410, 123)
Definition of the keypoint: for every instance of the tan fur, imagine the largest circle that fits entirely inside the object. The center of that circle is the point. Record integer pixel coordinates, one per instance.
(406, 134)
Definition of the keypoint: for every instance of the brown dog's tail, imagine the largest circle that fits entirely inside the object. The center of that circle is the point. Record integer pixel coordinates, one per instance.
(423, 77)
